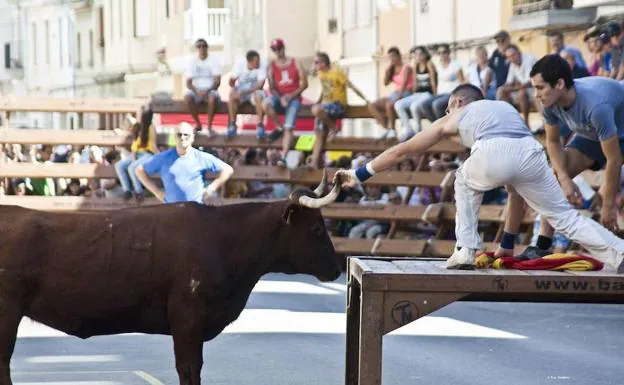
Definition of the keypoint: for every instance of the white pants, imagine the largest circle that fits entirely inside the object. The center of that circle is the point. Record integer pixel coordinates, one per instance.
(522, 164)
(410, 104)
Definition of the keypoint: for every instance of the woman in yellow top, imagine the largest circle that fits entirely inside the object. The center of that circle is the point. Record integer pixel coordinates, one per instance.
(332, 103)
(142, 149)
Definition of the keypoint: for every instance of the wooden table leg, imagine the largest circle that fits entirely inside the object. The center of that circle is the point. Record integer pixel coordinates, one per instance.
(353, 331)
(371, 333)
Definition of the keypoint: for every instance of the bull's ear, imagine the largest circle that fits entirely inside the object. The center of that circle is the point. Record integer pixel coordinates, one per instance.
(288, 213)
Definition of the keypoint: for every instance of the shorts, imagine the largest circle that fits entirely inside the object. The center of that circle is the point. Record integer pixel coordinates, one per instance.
(198, 99)
(290, 112)
(515, 96)
(395, 95)
(591, 149)
(334, 110)
(249, 97)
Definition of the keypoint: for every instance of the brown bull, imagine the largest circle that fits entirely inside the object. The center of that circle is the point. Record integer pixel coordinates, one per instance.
(184, 270)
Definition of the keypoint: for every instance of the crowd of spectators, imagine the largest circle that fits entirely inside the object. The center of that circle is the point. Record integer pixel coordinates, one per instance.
(420, 92)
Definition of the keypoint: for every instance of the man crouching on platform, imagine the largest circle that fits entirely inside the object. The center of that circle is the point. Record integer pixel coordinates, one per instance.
(503, 153)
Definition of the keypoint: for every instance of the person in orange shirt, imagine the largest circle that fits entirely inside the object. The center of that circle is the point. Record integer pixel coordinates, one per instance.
(332, 102)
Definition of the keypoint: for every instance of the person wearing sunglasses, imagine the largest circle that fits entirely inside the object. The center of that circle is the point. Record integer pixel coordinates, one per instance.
(203, 78)
(503, 152)
(287, 81)
(183, 170)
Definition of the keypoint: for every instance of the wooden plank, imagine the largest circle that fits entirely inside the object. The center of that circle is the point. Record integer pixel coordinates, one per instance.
(371, 332)
(180, 107)
(333, 211)
(110, 138)
(302, 176)
(385, 247)
(59, 104)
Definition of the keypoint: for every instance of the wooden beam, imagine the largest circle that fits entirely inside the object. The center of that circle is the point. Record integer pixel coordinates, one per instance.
(110, 138)
(57, 104)
(180, 107)
(268, 174)
(351, 211)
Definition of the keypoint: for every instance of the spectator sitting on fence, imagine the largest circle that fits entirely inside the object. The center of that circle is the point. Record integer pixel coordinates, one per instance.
(287, 80)
(498, 61)
(203, 80)
(399, 74)
(247, 81)
(143, 148)
(425, 85)
(558, 46)
(481, 75)
(370, 228)
(74, 188)
(450, 75)
(517, 89)
(332, 102)
(577, 72)
(182, 170)
(43, 186)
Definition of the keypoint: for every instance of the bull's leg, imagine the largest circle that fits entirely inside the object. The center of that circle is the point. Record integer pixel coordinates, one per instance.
(10, 316)
(189, 358)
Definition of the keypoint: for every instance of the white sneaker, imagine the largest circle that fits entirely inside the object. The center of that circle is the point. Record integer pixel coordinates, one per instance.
(463, 259)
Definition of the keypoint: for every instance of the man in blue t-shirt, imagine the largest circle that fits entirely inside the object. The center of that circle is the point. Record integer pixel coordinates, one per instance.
(593, 109)
(183, 170)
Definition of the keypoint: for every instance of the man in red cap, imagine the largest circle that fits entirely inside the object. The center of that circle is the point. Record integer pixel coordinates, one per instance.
(287, 81)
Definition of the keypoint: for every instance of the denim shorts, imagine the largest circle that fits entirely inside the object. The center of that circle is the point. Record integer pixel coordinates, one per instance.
(395, 95)
(591, 149)
(290, 112)
(197, 99)
(334, 110)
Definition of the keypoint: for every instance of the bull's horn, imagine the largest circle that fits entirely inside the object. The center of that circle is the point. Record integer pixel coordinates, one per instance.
(316, 203)
(321, 187)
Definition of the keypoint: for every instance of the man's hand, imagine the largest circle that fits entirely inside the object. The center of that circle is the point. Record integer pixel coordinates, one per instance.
(608, 217)
(209, 196)
(202, 94)
(160, 194)
(346, 177)
(572, 192)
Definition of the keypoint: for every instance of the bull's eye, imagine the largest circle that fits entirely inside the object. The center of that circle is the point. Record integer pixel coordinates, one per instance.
(318, 230)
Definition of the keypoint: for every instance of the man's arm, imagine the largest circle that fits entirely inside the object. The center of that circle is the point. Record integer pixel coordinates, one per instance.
(420, 142)
(603, 118)
(357, 91)
(556, 153)
(213, 165)
(149, 184)
(256, 87)
(303, 83)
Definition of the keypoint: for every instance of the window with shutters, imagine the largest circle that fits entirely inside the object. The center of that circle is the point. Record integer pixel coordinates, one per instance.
(350, 15)
(364, 13)
(424, 6)
(34, 40)
(46, 31)
(60, 41)
(142, 18)
(78, 50)
(91, 48)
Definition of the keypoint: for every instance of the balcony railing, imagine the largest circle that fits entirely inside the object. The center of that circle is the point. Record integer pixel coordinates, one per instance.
(207, 23)
(522, 7)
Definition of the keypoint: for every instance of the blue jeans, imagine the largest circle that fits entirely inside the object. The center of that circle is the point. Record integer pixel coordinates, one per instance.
(290, 112)
(126, 172)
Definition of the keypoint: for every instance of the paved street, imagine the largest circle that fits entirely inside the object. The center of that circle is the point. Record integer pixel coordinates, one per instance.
(292, 332)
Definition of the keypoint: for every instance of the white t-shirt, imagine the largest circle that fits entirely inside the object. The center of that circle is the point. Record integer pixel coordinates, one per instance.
(246, 78)
(476, 77)
(447, 77)
(521, 73)
(203, 71)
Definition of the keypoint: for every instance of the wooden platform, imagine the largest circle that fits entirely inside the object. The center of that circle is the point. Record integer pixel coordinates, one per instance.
(386, 294)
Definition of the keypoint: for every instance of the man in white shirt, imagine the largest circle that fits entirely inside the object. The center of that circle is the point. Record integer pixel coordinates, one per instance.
(203, 79)
(247, 81)
(518, 90)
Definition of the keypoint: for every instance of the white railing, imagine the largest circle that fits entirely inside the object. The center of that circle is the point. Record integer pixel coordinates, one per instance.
(208, 23)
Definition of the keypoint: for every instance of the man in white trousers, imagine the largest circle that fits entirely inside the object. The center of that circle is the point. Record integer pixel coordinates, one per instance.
(503, 153)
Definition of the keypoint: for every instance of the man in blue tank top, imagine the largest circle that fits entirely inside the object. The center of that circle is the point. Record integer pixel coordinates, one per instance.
(503, 153)
(593, 109)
